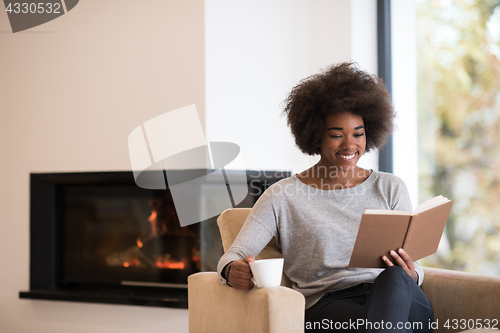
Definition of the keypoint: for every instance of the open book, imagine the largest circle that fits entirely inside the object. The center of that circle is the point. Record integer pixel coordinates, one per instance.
(418, 234)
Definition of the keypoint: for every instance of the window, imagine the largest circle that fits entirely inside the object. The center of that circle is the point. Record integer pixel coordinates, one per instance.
(458, 123)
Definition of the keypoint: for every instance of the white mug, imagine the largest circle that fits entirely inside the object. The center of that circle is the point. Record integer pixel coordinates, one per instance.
(267, 272)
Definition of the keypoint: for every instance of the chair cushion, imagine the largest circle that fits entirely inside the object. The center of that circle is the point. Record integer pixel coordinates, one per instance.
(230, 223)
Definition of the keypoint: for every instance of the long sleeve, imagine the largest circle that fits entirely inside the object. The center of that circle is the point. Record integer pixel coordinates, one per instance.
(258, 229)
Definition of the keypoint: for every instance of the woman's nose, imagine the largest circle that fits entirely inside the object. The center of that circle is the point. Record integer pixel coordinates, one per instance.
(348, 143)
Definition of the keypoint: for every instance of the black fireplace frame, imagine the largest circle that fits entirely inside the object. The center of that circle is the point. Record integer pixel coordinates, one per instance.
(45, 240)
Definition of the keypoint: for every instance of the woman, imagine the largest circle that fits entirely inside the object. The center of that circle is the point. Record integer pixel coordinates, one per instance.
(339, 115)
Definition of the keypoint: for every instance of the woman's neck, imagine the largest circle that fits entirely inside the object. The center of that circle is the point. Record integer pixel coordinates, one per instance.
(333, 177)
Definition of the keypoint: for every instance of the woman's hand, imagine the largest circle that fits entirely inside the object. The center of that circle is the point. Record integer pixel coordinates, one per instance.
(404, 261)
(240, 274)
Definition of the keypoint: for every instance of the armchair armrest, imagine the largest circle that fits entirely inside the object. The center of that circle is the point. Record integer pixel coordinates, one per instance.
(214, 307)
(460, 295)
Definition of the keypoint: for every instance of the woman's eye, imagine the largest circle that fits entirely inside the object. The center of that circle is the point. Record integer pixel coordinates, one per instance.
(336, 136)
(358, 135)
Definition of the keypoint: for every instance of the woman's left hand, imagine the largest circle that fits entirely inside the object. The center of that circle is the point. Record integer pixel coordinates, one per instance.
(404, 261)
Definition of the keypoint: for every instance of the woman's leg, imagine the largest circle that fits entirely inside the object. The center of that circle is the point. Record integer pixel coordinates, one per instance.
(396, 303)
(337, 311)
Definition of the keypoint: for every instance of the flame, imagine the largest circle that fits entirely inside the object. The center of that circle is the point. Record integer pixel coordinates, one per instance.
(152, 217)
(132, 262)
(152, 220)
(170, 264)
(139, 243)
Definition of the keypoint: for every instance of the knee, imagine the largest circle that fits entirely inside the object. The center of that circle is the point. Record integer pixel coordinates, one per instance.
(397, 270)
(395, 274)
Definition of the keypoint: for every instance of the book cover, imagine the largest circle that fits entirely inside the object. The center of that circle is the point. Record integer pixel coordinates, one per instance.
(382, 231)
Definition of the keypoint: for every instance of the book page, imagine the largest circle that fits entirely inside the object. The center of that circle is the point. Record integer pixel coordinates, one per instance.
(385, 212)
(431, 203)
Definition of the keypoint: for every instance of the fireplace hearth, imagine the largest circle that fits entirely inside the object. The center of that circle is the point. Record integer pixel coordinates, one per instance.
(98, 237)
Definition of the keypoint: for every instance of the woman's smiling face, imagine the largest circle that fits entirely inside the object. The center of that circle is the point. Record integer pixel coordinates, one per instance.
(343, 140)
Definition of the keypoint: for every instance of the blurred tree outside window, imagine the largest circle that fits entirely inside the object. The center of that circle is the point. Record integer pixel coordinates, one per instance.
(458, 73)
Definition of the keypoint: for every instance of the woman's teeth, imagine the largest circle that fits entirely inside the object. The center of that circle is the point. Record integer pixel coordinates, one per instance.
(347, 157)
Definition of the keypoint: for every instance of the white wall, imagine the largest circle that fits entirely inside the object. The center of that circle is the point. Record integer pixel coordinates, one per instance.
(255, 52)
(71, 91)
(404, 93)
(364, 52)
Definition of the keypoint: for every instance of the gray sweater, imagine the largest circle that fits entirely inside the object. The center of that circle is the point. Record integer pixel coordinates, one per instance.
(316, 230)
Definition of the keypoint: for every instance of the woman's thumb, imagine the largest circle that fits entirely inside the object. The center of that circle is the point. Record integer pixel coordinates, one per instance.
(250, 258)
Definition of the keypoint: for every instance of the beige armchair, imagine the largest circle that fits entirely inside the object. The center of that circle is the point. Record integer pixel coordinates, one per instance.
(460, 300)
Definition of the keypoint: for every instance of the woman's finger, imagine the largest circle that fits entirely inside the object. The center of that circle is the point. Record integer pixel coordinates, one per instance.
(404, 261)
(407, 259)
(243, 284)
(399, 261)
(239, 274)
(387, 262)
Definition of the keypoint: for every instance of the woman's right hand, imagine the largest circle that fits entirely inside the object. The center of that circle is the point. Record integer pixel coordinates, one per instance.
(240, 274)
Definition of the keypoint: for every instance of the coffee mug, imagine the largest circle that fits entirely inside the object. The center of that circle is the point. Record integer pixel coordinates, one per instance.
(267, 272)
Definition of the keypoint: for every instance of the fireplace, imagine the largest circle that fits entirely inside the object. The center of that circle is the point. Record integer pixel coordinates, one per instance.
(98, 237)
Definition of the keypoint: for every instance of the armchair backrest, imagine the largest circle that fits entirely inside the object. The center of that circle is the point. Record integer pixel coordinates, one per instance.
(230, 223)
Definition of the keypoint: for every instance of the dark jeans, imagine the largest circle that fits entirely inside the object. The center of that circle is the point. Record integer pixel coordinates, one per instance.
(393, 303)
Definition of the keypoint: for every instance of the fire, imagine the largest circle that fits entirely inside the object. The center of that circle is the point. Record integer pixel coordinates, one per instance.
(152, 217)
(165, 262)
(132, 262)
(171, 265)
